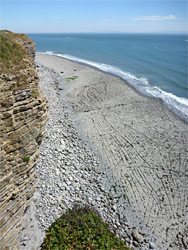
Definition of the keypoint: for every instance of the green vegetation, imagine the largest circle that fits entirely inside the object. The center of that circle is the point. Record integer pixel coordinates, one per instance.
(81, 228)
(14, 61)
(26, 159)
(71, 78)
(11, 53)
(12, 87)
(34, 93)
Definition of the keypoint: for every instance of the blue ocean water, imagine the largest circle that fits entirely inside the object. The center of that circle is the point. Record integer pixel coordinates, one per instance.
(155, 64)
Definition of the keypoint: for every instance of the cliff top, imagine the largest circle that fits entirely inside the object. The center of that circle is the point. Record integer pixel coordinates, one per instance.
(17, 55)
(13, 56)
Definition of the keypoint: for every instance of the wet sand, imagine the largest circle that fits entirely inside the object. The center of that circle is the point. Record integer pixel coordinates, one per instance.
(141, 145)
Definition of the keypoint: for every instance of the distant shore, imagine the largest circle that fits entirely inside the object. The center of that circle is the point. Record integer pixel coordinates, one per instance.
(141, 146)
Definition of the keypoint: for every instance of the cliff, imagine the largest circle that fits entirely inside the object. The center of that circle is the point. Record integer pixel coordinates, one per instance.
(23, 116)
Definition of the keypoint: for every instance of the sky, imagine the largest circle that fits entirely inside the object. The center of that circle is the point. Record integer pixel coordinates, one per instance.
(130, 16)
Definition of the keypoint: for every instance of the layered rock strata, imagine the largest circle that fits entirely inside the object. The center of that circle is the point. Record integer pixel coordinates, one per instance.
(23, 116)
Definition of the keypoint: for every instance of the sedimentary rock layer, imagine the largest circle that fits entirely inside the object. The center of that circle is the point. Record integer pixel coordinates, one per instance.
(23, 113)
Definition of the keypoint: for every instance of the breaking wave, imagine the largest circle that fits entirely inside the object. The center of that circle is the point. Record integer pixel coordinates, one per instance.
(178, 105)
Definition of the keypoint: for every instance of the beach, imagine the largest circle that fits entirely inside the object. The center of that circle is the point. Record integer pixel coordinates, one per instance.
(68, 175)
(140, 146)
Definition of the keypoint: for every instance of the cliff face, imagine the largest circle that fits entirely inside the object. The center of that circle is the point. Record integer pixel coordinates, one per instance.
(23, 116)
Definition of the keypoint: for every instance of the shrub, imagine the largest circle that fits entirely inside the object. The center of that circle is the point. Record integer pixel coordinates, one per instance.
(81, 228)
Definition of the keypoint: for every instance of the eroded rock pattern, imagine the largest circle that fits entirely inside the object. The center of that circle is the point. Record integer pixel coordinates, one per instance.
(23, 113)
(142, 147)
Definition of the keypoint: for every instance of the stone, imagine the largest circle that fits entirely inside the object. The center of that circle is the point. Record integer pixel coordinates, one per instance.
(60, 88)
(151, 245)
(125, 235)
(185, 242)
(137, 236)
(135, 243)
(179, 236)
(114, 207)
(111, 195)
(98, 170)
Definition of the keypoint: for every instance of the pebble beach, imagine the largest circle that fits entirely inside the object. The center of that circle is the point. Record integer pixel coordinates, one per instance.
(108, 147)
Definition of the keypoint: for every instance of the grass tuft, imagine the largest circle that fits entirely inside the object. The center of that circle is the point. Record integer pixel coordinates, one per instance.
(11, 52)
(69, 79)
(26, 159)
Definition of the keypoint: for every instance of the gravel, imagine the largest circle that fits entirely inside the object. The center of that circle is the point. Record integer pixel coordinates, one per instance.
(69, 173)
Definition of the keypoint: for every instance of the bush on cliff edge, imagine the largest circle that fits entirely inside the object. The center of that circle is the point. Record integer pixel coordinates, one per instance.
(81, 228)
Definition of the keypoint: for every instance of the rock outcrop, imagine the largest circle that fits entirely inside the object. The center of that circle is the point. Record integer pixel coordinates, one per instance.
(23, 116)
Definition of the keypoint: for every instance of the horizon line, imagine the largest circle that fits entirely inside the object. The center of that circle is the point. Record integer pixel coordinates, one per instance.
(107, 32)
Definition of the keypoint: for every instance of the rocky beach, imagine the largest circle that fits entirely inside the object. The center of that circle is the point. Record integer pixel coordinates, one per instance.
(68, 174)
(109, 147)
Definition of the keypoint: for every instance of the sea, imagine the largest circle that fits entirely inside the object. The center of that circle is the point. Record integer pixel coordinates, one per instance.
(154, 64)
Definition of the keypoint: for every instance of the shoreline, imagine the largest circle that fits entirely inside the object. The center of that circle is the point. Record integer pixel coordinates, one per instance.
(140, 143)
(141, 147)
(182, 115)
